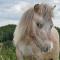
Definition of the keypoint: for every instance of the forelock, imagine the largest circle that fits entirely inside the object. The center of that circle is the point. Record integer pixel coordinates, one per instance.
(45, 10)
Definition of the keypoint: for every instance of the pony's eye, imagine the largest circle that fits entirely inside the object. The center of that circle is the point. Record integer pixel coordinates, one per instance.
(39, 25)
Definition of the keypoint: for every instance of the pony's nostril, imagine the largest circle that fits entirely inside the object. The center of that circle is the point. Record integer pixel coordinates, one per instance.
(46, 49)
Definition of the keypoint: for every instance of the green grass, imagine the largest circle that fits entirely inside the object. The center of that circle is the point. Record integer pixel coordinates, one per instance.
(7, 52)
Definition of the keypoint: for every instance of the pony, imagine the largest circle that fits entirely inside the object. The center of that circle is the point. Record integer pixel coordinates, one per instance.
(35, 37)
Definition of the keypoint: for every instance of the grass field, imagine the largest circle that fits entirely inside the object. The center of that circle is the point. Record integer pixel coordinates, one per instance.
(7, 51)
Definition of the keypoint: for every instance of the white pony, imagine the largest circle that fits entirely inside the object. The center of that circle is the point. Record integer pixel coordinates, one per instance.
(35, 37)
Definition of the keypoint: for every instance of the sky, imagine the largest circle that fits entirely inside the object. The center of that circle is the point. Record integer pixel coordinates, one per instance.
(12, 10)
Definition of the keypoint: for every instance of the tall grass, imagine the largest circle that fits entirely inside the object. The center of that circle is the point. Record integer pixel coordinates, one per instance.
(7, 52)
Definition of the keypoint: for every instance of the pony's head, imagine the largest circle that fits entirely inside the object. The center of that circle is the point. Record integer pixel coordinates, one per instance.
(37, 22)
(42, 25)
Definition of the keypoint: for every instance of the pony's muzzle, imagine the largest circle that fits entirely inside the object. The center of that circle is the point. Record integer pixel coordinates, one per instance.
(47, 48)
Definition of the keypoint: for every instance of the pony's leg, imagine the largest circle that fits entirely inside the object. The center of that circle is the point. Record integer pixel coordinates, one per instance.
(19, 54)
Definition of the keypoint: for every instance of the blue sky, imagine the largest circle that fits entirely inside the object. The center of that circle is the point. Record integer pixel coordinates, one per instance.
(12, 10)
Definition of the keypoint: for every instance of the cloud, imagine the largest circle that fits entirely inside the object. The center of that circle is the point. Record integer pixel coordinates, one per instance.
(6, 22)
(56, 22)
(56, 1)
(20, 7)
(15, 11)
(11, 13)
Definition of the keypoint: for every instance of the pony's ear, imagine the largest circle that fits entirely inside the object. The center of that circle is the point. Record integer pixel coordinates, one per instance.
(36, 7)
(53, 7)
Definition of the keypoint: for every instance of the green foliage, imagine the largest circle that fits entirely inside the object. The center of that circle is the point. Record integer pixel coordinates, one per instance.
(6, 32)
(58, 29)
